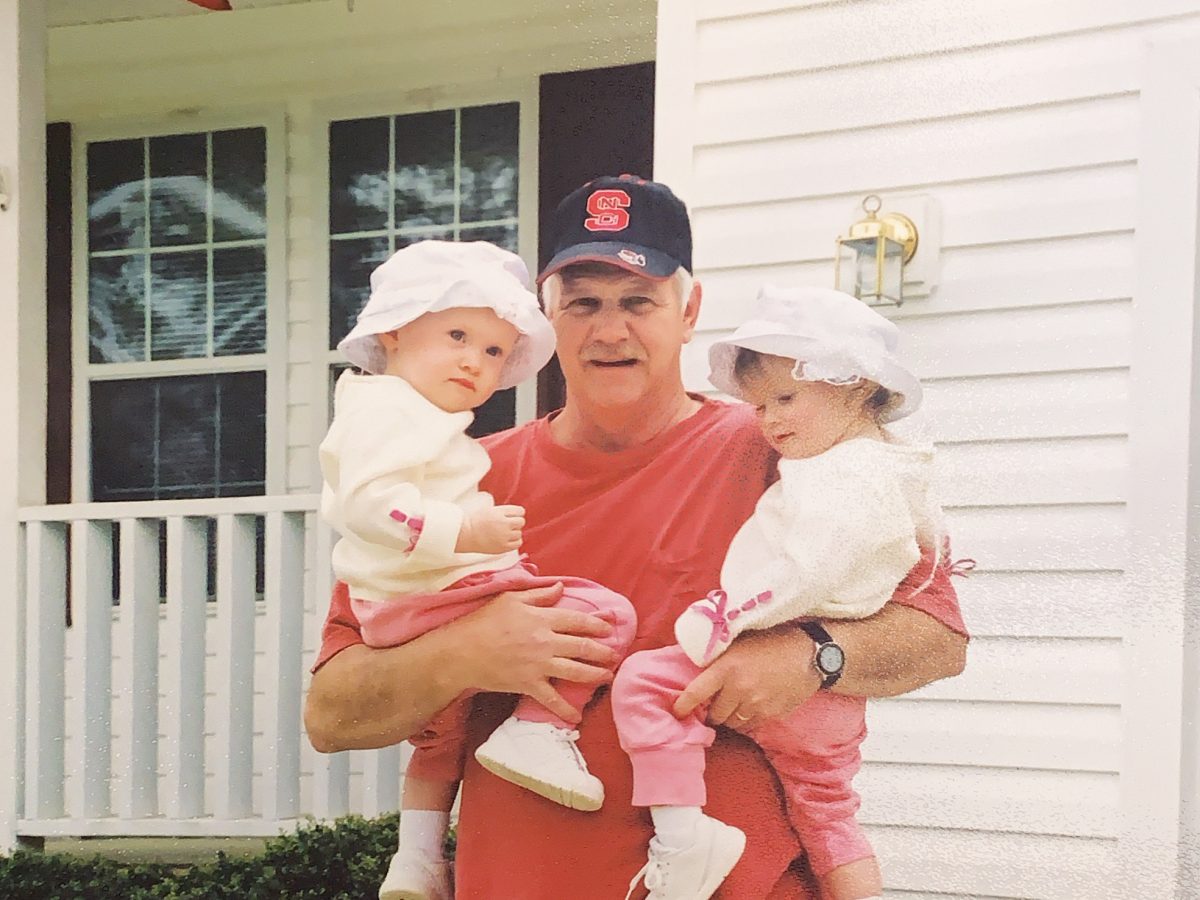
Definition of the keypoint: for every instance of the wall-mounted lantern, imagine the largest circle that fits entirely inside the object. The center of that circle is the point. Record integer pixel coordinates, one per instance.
(870, 260)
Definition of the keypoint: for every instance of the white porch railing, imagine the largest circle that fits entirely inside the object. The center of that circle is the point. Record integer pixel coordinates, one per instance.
(156, 707)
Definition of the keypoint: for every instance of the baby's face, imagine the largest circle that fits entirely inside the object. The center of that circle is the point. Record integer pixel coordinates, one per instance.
(802, 418)
(453, 357)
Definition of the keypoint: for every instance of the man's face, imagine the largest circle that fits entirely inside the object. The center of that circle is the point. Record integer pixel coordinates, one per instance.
(620, 334)
(454, 358)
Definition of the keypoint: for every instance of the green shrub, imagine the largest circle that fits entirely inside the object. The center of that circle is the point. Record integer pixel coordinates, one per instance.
(344, 860)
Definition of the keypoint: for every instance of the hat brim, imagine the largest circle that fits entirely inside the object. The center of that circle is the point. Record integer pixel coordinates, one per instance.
(722, 355)
(658, 265)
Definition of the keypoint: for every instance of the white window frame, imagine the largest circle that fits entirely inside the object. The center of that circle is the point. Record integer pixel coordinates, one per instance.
(523, 91)
(273, 362)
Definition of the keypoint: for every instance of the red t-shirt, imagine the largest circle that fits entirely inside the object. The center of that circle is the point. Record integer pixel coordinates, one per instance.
(652, 523)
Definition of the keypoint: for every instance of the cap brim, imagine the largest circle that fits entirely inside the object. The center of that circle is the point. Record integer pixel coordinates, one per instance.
(658, 265)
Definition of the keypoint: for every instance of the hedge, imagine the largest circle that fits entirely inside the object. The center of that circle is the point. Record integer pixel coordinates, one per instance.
(343, 860)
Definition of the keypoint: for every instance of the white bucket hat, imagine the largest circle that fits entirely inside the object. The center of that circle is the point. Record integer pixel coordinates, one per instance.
(431, 276)
(833, 337)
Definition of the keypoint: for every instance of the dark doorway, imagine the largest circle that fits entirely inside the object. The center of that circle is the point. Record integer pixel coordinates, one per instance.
(591, 123)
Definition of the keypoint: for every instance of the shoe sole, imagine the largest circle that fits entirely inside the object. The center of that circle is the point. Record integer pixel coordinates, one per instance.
(719, 875)
(559, 795)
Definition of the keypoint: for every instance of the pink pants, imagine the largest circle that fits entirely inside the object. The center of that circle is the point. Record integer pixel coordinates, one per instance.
(441, 745)
(814, 751)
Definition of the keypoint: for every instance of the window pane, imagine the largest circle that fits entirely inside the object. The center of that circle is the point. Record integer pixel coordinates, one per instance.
(116, 308)
(179, 189)
(488, 180)
(239, 161)
(403, 240)
(359, 192)
(425, 169)
(116, 201)
(350, 266)
(498, 413)
(239, 301)
(179, 305)
(501, 235)
(191, 436)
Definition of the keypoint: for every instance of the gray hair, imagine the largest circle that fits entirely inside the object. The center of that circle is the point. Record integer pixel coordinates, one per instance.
(552, 287)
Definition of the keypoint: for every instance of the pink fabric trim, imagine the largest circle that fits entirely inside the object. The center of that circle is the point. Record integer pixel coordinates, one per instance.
(669, 776)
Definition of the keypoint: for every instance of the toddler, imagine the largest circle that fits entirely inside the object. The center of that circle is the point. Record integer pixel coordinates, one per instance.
(447, 324)
(831, 539)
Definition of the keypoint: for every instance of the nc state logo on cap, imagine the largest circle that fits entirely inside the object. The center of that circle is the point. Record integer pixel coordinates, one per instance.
(631, 257)
(608, 210)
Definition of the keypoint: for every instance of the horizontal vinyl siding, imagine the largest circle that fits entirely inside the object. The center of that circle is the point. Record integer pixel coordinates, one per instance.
(1022, 121)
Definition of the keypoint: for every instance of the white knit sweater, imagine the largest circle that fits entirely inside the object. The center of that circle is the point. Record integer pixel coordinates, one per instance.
(399, 475)
(831, 539)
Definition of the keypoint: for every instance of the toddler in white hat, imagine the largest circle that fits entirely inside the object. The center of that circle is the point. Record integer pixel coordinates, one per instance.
(832, 539)
(447, 324)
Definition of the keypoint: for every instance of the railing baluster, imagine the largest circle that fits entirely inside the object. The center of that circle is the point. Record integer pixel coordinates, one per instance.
(381, 781)
(284, 614)
(331, 785)
(138, 640)
(45, 698)
(183, 667)
(234, 722)
(91, 595)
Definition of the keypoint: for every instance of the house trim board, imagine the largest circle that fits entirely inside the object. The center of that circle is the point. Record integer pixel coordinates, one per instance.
(1159, 773)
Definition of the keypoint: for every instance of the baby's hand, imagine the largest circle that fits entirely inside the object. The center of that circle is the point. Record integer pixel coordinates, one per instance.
(493, 530)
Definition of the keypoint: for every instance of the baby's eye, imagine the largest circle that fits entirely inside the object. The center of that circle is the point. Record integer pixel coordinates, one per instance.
(458, 334)
(494, 351)
(785, 398)
(760, 410)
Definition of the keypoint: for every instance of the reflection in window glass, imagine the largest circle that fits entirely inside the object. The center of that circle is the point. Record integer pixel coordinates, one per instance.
(445, 175)
(162, 214)
(179, 437)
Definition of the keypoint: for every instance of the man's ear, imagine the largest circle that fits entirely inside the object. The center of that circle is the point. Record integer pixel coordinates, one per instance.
(691, 311)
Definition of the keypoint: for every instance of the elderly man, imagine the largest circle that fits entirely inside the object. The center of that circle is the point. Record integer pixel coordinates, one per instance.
(640, 486)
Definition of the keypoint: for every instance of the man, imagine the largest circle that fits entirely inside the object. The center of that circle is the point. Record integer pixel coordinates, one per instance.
(639, 485)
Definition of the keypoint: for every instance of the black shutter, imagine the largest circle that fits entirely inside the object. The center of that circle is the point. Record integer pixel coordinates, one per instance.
(58, 312)
(591, 123)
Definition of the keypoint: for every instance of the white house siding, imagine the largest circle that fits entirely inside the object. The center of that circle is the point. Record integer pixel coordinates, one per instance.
(1022, 120)
(308, 59)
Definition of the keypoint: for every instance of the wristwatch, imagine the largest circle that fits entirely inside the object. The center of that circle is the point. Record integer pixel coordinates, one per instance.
(828, 659)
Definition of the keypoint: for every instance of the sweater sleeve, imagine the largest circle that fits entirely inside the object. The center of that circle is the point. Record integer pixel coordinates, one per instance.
(378, 488)
(848, 540)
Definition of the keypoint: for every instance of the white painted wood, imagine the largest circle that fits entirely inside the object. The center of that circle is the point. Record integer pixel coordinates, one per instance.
(1068, 604)
(1046, 736)
(1012, 670)
(182, 746)
(46, 592)
(22, 337)
(958, 862)
(331, 785)
(1082, 804)
(1161, 824)
(234, 684)
(137, 640)
(283, 598)
(91, 716)
(1088, 538)
(158, 828)
(380, 779)
(217, 506)
(898, 30)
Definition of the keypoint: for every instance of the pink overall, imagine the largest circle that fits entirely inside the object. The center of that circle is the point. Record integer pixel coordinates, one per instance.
(814, 751)
(441, 745)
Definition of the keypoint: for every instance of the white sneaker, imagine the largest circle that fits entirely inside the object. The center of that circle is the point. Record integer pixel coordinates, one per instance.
(542, 758)
(411, 876)
(696, 871)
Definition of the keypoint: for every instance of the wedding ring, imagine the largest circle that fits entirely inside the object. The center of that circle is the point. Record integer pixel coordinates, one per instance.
(739, 716)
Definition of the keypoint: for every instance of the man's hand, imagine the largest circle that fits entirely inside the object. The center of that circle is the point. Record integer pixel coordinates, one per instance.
(764, 675)
(496, 529)
(518, 646)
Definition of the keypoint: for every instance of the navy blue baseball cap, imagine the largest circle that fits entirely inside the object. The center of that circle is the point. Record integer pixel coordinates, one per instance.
(624, 221)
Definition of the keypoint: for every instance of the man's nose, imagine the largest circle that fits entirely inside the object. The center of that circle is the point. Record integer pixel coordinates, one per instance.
(611, 327)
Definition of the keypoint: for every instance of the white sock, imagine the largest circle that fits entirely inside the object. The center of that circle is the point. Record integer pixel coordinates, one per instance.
(423, 831)
(675, 825)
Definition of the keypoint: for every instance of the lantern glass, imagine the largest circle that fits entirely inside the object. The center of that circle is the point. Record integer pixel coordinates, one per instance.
(872, 269)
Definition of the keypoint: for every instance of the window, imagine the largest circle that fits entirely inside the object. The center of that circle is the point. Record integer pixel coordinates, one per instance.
(177, 315)
(449, 174)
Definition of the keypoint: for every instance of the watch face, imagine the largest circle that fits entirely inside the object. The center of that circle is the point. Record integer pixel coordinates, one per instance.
(830, 658)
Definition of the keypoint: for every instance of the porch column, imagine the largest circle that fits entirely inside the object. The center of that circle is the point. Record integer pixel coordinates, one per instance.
(22, 356)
